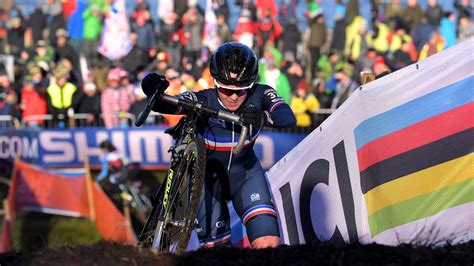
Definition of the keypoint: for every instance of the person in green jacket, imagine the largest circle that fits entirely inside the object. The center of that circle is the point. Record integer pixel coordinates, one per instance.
(92, 30)
(270, 73)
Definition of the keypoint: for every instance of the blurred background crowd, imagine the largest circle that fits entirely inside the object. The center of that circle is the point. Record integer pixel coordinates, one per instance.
(66, 63)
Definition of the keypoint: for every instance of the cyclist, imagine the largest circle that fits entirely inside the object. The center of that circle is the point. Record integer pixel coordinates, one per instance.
(239, 178)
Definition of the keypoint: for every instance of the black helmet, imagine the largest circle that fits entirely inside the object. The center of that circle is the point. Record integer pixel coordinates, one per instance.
(107, 145)
(236, 58)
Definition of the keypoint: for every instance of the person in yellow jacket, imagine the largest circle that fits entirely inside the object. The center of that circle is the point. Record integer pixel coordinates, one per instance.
(356, 42)
(304, 104)
(61, 97)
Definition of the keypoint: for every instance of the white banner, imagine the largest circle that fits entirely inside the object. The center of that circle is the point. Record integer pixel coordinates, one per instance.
(394, 164)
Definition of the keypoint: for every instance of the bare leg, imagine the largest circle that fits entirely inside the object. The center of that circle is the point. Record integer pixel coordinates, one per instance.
(266, 242)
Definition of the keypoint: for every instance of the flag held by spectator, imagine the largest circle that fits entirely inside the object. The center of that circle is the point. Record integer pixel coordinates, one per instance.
(210, 36)
(115, 39)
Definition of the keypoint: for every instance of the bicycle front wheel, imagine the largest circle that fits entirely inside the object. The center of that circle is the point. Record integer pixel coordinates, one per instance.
(180, 204)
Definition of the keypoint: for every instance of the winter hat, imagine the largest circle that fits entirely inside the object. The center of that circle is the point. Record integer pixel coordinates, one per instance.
(302, 85)
(314, 9)
(61, 73)
(62, 33)
(113, 74)
(90, 86)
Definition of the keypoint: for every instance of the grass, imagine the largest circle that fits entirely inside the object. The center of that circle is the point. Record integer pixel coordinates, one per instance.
(33, 231)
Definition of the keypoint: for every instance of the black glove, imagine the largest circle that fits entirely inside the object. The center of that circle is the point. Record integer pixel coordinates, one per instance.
(154, 82)
(251, 115)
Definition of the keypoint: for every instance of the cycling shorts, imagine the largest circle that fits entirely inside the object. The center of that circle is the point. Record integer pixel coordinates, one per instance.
(248, 190)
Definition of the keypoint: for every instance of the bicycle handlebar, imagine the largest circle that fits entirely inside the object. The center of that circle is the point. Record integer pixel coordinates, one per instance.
(195, 106)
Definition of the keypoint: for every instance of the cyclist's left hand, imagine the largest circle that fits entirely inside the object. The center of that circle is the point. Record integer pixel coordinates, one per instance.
(252, 115)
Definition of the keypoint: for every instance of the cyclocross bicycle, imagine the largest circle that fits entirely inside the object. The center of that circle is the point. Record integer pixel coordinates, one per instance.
(173, 217)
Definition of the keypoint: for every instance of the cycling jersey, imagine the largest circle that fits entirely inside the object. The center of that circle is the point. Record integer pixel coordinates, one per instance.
(239, 178)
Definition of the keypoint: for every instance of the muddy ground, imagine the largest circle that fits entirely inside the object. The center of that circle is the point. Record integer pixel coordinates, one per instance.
(109, 253)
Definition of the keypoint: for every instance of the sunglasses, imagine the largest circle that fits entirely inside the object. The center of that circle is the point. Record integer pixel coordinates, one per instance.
(228, 92)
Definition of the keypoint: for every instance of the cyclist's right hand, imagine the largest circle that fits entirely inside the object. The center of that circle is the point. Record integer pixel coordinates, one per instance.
(154, 82)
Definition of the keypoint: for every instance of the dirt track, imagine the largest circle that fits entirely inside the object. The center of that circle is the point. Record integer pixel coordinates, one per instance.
(108, 253)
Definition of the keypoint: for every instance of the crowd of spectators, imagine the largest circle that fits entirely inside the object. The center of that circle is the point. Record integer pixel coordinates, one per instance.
(59, 71)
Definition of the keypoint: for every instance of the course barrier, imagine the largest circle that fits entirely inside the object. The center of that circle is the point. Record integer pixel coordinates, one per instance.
(394, 164)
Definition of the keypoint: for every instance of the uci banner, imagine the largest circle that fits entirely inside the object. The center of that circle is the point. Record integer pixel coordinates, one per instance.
(394, 164)
(149, 145)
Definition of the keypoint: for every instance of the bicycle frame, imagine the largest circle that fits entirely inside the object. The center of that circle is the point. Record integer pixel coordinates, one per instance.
(183, 133)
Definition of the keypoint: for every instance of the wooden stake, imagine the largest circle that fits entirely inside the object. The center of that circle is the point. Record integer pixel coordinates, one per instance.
(128, 220)
(89, 184)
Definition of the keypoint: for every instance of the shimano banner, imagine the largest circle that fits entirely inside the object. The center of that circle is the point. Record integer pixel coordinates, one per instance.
(146, 145)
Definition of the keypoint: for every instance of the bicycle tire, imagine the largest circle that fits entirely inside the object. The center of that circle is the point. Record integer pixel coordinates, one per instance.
(174, 226)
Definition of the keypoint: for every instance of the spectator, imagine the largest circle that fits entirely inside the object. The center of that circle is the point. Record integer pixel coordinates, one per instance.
(176, 87)
(266, 7)
(323, 94)
(8, 97)
(271, 75)
(115, 101)
(377, 38)
(412, 15)
(92, 30)
(352, 10)
(364, 63)
(434, 12)
(356, 43)
(393, 11)
(401, 58)
(345, 86)
(136, 59)
(60, 97)
(466, 28)
(3, 31)
(269, 30)
(292, 69)
(317, 38)
(192, 28)
(290, 37)
(65, 50)
(304, 104)
(435, 45)
(56, 22)
(76, 25)
(16, 36)
(221, 7)
(380, 68)
(139, 103)
(422, 33)
(145, 35)
(339, 33)
(447, 29)
(206, 80)
(328, 63)
(464, 8)
(100, 67)
(37, 23)
(246, 30)
(126, 84)
(223, 30)
(171, 36)
(161, 62)
(33, 101)
(39, 79)
(189, 82)
(44, 56)
(89, 103)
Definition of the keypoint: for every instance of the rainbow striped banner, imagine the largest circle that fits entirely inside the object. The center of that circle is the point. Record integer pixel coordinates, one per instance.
(416, 160)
